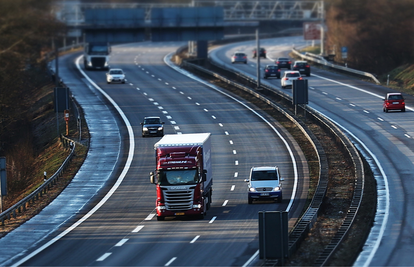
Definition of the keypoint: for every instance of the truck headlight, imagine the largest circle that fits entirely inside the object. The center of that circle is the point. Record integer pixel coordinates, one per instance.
(161, 207)
(197, 206)
(277, 188)
(252, 189)
(90, 63)
(159, 128)
(145, 129)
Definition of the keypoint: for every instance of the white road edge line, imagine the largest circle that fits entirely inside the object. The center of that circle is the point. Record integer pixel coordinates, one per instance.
(114, 187)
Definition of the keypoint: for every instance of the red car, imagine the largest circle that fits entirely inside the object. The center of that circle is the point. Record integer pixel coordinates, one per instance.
(393, 101)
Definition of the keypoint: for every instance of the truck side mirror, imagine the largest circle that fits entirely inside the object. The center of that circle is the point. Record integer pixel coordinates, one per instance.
(152, 178)
(282, 179)
(246, 180)
(204, 175)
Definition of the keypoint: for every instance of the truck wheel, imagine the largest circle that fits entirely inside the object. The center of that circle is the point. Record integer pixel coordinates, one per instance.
(250, 200)
(160, 218)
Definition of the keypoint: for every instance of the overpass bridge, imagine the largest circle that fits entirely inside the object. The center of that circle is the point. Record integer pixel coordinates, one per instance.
(73, 12)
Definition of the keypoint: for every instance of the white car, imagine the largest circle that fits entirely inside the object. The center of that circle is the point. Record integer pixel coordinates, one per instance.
(288, 77)
(115, 75)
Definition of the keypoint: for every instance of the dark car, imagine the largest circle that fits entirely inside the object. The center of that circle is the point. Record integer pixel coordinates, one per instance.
(152, 126)
(283, 62)
(393, 101)
(271, 71)
(262, 52)
(302, 66)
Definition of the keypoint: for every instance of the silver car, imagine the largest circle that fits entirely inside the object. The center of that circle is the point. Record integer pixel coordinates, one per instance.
(239, 57)
(115, 75)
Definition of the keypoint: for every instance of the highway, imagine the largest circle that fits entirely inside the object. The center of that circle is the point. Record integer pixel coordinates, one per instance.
(385, 139)
(123, 230)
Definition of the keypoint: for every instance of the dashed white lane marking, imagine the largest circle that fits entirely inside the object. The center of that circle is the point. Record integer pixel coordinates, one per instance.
(236, 162)
(213, 219)
(194, 239)
(231, 142)
(232, 188)
(393, 126)
(104, 256)
(226, 133)
(150, 216)
(122, 242)
(381, 119)
(234, 152)
(236, 174)
(138, 228)
(225, 203)
(170, 261)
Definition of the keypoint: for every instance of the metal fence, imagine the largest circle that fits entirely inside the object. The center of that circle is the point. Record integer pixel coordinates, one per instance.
(22, 205)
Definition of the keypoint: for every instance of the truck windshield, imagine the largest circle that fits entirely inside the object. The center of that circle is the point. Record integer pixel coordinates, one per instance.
(178, 177)
(98, 50)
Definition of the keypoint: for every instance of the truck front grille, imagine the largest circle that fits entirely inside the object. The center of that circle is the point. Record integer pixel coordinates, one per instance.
(178, 200)
(98, 61)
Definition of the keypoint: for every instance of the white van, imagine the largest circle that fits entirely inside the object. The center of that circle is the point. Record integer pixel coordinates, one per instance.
(264, 183)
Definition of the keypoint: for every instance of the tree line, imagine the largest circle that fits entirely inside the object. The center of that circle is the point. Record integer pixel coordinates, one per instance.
(27, 28)
(379, 35)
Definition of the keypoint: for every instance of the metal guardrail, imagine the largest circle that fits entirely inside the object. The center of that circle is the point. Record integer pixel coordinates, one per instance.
(21, 206)
(322, 61)
(305, 223)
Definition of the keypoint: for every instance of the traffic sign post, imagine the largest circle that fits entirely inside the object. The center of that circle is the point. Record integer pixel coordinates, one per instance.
(67, 116)
(344, 52)
(3, 181)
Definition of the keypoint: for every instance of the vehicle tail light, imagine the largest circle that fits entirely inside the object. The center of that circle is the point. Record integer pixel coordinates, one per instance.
(300, 78)
(290, 62)
(278, 70)
(277, 62)
(286, 78)
(307, 66)
(266, 70)
(244, 57)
